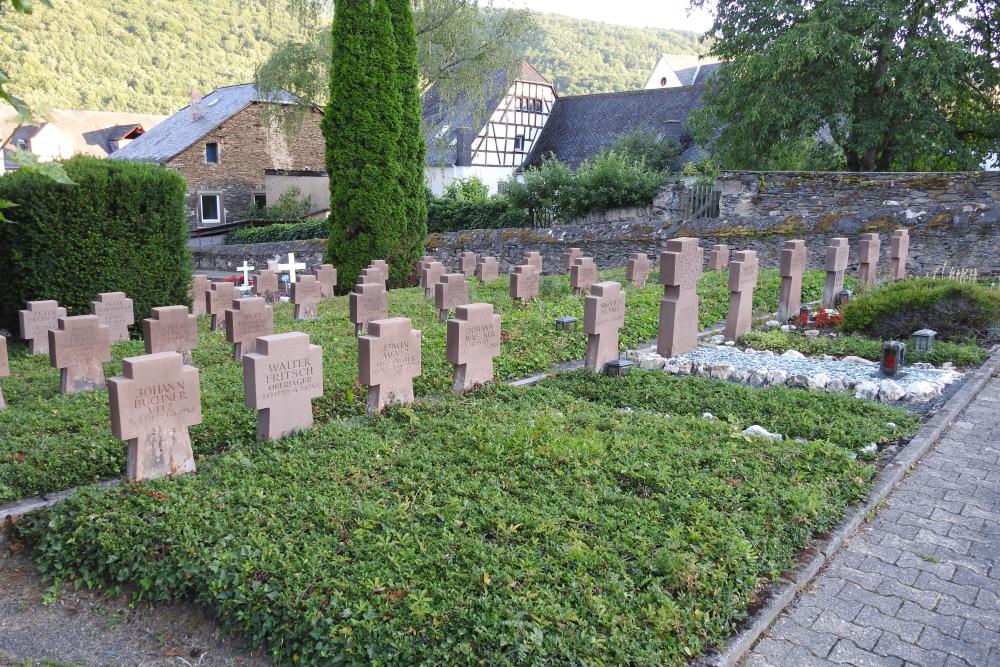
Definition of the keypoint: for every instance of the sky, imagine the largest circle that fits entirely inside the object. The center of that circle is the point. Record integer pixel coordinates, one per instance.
(670, 14)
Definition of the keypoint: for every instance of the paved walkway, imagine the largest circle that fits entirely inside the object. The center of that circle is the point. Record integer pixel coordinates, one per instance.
(919, 585)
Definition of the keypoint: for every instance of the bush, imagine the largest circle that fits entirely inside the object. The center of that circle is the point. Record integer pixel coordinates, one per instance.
(470, 189)
(957, 311)
(285, 231)
(291, 205)
(445, 214)
(611, 180)
(642, 147)
(120, 228)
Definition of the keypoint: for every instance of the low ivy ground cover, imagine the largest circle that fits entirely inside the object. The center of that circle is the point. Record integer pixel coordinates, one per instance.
(519, 526)
(50, 442)
(960, 354)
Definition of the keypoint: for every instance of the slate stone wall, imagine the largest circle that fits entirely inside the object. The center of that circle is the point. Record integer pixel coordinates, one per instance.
(228, 257)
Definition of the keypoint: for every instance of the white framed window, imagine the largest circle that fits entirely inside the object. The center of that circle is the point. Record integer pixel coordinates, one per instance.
(210, 208)
(212, 152)
(519, 142)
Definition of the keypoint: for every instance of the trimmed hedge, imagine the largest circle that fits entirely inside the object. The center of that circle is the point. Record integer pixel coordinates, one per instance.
(956, 310)
(451, 215)
(282, 231)
(121, 227)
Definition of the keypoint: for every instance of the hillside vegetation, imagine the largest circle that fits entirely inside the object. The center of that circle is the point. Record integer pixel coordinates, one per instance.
(148, 55)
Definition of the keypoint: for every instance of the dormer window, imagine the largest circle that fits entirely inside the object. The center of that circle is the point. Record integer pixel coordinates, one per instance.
(212, 152)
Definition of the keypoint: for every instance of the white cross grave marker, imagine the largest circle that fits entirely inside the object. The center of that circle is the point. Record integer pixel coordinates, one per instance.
(291, 267)
(246, 270)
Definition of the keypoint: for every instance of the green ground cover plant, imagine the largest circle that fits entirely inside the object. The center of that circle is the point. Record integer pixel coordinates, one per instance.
(563, 533)
(960, 354)
(50, 442)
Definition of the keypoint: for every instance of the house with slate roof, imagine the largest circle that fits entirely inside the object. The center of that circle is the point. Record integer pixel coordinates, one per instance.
(674, 71)
(487, 136)
(233, 149)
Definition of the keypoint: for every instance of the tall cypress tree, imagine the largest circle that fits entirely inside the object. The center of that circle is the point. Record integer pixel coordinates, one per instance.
(411, 136)
(362, 130)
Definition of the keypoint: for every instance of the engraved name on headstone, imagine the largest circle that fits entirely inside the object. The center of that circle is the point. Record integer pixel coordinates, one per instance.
(265, 285)
(171, 329)
(280, 380)
(326, 276)
(429, 277)
(78, 347)
(473, 340)
(603, 316)
(450, 291)
(115, 312)
(582, 274)
(218, 300)
(248, 320)
(388, 360)
(36, 320)
(368, 301)
(306, 295)
(524, 283)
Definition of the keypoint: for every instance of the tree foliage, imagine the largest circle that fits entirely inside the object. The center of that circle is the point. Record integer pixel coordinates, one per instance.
(886, 85)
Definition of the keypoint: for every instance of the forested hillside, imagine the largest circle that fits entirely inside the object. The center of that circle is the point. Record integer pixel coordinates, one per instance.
(147, 55)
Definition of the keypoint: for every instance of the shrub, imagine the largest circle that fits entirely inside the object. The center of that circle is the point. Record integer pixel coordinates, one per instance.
(446, 214)
(470, 189)
(120, 227)
(642, 147)
(284, 231)
(291, 205)
(611, 180)
(957, 311)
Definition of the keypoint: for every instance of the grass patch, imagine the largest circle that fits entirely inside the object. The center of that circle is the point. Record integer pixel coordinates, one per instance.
(50, 442)
(515, 526)
(960, 354)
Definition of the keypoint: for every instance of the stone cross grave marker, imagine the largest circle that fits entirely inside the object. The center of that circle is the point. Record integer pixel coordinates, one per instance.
(473, 340)
(36, 320)
(280, 380)
(246, 321)
(368, 301)
(291, 266)
(116, 313)
(718, 258)
(326, 276)
(4, 367)
(419, 268)
(429, 277)
(836, 264)
(793, 265)
(568, 257)
(152, 406)
(199, 286)
(487, 270)
(306, 295)
(742, 280)
(246, 270)
(524, 282)
(171, 329)
(680, 268)
(265, 285)
(388, 360)
(536, 260)
(603, 316)
(899, 249)
(450, 292)
(582, 274)
(637, 269)
(868, 250)
(382, 268)
(78, 347)
(467, 264)
(218, 300)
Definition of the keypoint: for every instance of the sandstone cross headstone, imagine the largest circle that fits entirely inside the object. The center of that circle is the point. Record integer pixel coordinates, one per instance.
(424, 261)
(473, 340)
(152, 406)
(265, 285)
(290, 267)
(382, 267)
(389, 359)
(78, 347)
(718, 258)
(280, 380)
(306, 295)
(467, 264)
(326, 276)
(171, 329)
(582, 274)
(368, 301)
(868, 250)
(487, 270)
(742, 280)
(199, 285)
(36, 320)
(568, 257)
(836, 264)
(115, 312)
(218, 300)
(4, 367)
(536, 260)
(899, 249)
(637, 269)
(603, 316)
(429, 277)
(450, 292)
(680, 267)
(793, 264)
(524, 282)
(248, 320)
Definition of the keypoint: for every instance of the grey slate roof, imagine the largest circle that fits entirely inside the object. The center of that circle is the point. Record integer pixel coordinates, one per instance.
(179, 131)
(580, 126)
(697, 75)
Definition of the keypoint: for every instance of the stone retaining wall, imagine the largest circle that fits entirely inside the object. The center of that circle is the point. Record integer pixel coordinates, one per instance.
(228, 257)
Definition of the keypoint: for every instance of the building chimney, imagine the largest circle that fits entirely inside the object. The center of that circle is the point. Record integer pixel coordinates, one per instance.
(464, 136)
(196, 112)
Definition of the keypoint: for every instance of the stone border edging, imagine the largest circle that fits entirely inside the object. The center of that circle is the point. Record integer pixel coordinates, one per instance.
(17, 508)
(739, 645)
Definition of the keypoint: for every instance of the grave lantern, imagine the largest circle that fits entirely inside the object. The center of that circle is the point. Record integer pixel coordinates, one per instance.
(923, 340)
(804, 316)
(893, 353)
(844, 297)
(566, 323)
(618, 367)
